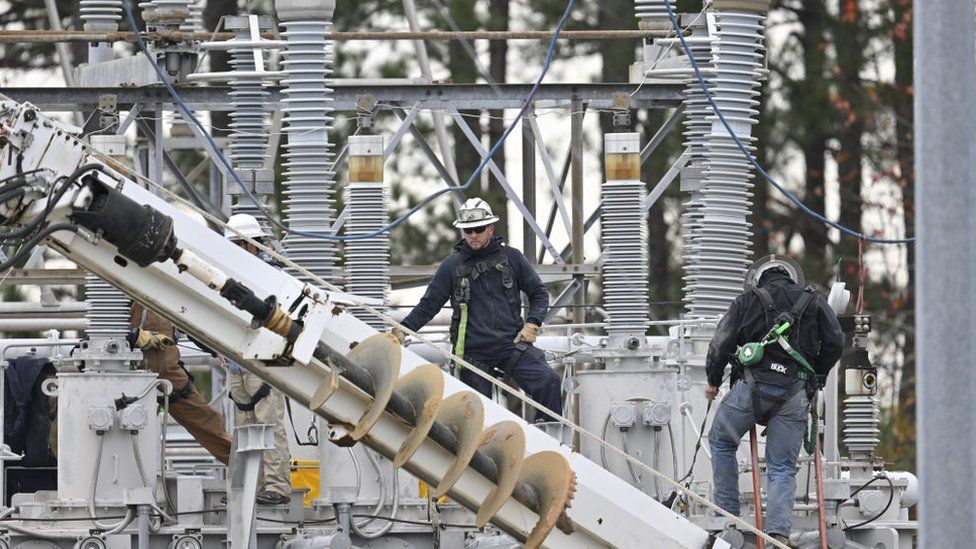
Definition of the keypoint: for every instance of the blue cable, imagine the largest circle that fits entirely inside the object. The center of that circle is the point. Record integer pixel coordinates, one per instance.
(223, 160)
(752, 160)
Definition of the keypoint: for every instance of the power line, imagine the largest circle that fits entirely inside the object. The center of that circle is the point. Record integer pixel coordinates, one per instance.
(752, 160)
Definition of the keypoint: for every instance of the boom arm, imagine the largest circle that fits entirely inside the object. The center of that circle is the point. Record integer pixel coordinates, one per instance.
(303, 341)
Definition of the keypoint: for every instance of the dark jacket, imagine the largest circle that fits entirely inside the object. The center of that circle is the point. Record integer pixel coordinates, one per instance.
(817, 336)
(27, 417)
(491, 326)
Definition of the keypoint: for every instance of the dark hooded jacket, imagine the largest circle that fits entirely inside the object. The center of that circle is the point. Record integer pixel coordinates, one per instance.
(817, 335)
(491, 327)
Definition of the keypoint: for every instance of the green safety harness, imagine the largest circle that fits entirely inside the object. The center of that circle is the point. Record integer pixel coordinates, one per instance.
(466, 275)
(752, 354)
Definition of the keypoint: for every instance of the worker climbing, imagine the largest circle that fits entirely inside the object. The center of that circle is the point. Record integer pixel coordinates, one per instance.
(484, 279)
(781, 339)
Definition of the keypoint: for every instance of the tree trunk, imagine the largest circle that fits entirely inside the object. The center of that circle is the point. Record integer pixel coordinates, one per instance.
(497, 68)
(810, 104)
(851, 107)
(904, 120)
(463, 71)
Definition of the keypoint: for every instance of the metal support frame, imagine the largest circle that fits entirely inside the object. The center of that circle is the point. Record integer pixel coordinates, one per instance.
(576, 146)
(528, 180)
(430, 96)
(555, 184)
(458, 196)
(945, 152)
(503, 181)
(250, 442)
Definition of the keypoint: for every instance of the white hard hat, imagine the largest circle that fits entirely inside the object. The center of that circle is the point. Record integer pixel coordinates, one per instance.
(774, 261)
(475, 212)
(245, 225)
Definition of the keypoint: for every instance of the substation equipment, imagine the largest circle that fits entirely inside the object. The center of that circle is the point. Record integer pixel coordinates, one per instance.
(395, 437)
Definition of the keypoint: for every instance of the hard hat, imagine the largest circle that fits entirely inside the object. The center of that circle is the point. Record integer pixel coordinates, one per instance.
(475, 212)
(770, 262)
(245, 225)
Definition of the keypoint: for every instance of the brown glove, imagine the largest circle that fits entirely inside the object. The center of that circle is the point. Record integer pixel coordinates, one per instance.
(398, 333)
(528, 334)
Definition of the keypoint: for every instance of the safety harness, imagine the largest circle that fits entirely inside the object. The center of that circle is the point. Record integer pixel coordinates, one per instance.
(465, 276)
(752, 355)
(258, 396)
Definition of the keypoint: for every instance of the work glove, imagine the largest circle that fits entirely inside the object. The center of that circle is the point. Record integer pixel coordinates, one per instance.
(398, 333)
(147, 341)
(528, 334)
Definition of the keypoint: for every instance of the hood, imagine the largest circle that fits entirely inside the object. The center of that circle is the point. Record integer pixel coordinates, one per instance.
(775, 277)
(466, 252)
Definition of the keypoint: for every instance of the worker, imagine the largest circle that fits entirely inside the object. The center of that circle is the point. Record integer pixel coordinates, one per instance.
(156, 337)
(254, 400)
(484, 280)
(782, 340)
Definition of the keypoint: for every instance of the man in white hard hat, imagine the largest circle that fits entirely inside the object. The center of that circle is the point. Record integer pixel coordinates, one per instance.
(484, 280)
(255, 401)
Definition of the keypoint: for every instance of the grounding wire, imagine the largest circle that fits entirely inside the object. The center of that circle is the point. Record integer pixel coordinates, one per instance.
(752, 160)
(230, 169)
(891, 498)
(506, 388)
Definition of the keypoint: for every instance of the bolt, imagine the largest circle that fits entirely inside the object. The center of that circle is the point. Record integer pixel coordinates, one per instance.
(30, 115)
(112, 346)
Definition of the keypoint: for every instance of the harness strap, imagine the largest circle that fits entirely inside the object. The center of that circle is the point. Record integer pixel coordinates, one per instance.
(758, 395)
(508, 368)
(257, 397)
(313, 430)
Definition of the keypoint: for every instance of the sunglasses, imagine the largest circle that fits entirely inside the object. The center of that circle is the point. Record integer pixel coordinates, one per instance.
(475, 230)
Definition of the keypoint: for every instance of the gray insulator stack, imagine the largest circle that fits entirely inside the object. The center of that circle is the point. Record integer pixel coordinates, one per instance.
(100, 15)
(309, 183)
(719, 250)
(249, 122)
(108, 310)
(653, 14)
(861, 425)
(194, 22)
(698, 126)
(367, 260)
(624, 233)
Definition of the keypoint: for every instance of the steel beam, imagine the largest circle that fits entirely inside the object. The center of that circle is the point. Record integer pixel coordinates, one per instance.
(528, 181)
(503, 181)
(458, 196)
(430, 96)
(576, 148)
(945, 155)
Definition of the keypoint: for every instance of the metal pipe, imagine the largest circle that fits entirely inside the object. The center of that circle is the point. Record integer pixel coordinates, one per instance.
(576, 152)
(35, 324)
(528, 183)
(756, 495)
(143, 527)
(945, 152)
(44, 37)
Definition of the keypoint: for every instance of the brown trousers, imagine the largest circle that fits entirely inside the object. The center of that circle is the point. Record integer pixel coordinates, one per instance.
(202, 421)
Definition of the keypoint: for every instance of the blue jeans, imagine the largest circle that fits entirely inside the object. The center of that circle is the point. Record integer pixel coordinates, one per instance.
(734, 418)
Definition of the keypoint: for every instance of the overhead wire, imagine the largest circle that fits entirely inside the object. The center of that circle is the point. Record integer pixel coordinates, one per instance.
(752, 160)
